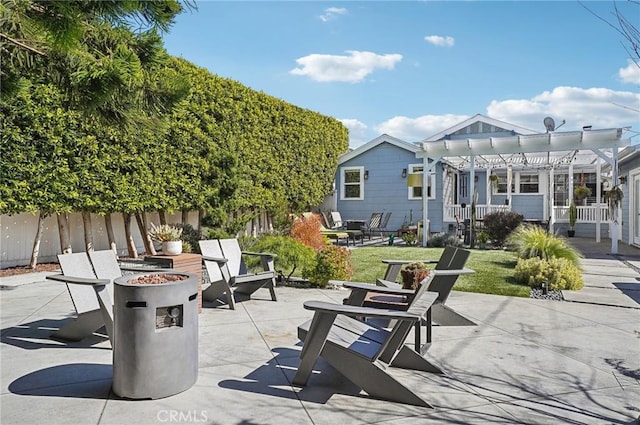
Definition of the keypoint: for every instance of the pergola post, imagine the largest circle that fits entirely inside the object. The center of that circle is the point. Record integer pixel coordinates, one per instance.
(551, 202)
(598, 199)
(615, 216)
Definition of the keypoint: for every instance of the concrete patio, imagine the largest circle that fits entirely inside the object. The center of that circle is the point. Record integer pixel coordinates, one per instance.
(528, 361)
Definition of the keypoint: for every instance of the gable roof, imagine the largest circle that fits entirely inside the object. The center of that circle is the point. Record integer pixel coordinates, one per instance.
(483, 119)
(384, 138)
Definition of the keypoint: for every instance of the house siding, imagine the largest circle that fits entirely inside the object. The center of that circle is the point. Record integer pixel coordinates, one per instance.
(386, 190)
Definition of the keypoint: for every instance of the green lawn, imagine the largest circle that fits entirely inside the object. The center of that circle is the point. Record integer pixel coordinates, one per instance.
(494, 268)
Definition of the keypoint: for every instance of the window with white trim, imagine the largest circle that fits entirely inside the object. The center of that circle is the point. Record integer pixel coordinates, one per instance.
(352, 183)
(529, 183)
(502, 182)
(415, 192)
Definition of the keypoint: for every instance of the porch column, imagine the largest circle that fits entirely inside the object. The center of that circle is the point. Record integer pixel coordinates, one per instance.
(570, 183)
(509, 181)
(598, 200)
(615, 217)
(488, 185)
(551, 202)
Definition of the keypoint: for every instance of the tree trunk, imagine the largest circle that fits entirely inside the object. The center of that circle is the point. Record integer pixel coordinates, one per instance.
(163, 217)
(201, 214)
(88, 231)
(110, 235)
(141, 219)
(185, 216)
(64, 233)
(131, 246)
(36, 241)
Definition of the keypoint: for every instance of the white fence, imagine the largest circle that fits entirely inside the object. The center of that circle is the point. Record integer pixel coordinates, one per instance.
(17, 233)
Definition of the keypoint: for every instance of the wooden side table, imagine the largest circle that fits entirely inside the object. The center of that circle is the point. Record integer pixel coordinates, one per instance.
(188, 263)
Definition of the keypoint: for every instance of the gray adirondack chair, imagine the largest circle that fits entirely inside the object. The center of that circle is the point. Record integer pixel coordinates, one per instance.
(92, 298)
(394, 267)
(373, 225)
(228, 272)
(363, 352)
(89, 280)
(452, 261)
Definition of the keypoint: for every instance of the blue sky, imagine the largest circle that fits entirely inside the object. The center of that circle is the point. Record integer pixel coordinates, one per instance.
(413, 69)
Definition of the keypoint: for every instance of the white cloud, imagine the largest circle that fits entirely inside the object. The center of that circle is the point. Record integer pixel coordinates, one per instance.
(438, 40)
(332, 13)
(631, 73)
(351, 69)
(599, 107)
(417, 129)
(357, 131)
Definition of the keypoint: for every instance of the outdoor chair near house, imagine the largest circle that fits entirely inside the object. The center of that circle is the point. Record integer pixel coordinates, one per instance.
(89, 278)
(228, 273)
(337, 221)
(336, 235)
(334, 222)
(374, 225)
(364, 353)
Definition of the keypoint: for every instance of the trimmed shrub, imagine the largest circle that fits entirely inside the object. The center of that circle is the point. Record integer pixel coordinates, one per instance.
(293, 257)
(559, 272)
(410, 239)
(500, 224)
(532, 241)
(333, 262)
(443, 239)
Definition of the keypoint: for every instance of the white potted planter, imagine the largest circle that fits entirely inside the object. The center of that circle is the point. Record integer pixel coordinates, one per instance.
(172, 247)
(169, 236)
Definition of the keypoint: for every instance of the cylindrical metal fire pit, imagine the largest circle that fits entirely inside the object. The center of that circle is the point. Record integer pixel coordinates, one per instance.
(155, 351)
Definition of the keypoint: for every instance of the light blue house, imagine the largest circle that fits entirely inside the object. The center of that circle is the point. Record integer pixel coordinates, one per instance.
(506, 167)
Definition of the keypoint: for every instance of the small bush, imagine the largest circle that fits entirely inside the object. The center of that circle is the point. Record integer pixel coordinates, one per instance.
(410, 239)
(190, 236)
(218, 233)
(441, 240)
(533, 241)
(559, 272)
(293, 257)
(307, 231)
(333, 262)
(500, 224)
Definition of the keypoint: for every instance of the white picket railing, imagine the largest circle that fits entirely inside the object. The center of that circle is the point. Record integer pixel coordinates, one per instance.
(451, 211)
(586, 214)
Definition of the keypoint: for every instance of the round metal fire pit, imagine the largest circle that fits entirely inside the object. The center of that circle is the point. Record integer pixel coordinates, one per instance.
(155, 351)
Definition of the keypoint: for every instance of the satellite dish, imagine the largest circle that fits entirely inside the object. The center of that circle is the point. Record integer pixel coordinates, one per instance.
(549, 124)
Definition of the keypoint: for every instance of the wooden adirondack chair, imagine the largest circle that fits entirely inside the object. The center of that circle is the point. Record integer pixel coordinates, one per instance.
(228, 272)
(363, 352)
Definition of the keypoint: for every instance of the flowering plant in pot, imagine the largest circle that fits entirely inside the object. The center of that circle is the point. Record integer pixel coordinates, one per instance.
(169, 236)
(412, 274)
